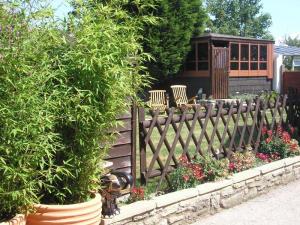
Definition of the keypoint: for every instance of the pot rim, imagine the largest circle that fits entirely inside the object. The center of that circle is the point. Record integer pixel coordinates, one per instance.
(91, 202)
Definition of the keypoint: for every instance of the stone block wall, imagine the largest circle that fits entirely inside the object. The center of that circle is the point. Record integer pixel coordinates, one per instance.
(187, 206)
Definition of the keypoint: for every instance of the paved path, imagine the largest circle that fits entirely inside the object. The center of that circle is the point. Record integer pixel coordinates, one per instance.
(280, 206)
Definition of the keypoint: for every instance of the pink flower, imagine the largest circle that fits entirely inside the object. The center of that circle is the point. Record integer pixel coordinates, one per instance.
(286, 137)
(268, 140)
(270, 133)
(264, 130)
(231, 166)
(263, 156)
(292, 130)
(186, 178)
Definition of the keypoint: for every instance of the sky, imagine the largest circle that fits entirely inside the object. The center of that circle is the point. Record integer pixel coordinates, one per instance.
(285, 16)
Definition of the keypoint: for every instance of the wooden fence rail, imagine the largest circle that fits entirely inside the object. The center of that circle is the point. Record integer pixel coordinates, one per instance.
(215, 130)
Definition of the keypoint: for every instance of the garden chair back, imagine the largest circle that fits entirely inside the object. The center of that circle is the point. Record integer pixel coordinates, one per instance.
(158, 100)
(180, 97)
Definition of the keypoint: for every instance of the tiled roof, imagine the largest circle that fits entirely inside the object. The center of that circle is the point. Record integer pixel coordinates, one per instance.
(287, 50)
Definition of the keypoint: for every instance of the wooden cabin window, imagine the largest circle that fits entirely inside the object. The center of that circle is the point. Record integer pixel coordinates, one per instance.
(254, 57)
(263, 57)
(234, 57)
(244, 65)
(248, 59)
(202, 58)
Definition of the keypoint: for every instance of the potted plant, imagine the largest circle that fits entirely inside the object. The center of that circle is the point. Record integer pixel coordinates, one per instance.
(64, 85)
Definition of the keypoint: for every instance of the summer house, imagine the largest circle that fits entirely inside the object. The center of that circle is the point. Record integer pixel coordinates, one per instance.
(223, 65)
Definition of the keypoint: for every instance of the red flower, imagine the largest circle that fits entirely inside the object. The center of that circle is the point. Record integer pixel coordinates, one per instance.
(286, 137)
(263, 156)
(186, 177)
(270, 133)
(184, 160)
(264, 130)
(137, 193)
(268, 140)
(292, 129)
(231, 166)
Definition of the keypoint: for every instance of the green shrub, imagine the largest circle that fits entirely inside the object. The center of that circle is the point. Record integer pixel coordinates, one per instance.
(62, 86)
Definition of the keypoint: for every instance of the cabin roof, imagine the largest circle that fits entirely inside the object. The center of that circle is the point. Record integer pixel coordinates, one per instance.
(225, 37)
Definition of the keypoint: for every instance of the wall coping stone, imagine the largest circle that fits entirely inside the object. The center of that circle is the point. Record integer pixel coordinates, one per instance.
(134, 209)
(291, 161)
(271, 166)
(245, 175)
(175, 197)
(213, 186)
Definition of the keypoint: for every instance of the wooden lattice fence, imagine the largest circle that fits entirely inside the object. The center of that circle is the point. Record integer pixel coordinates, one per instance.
(217, 130)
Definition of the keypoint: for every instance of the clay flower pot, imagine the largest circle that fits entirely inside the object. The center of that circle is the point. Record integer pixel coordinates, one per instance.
(17, 220)
(87, 213)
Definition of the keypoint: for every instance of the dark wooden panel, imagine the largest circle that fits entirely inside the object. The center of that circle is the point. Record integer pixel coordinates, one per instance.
(125, 126)
(121, 162)
(249, 84)
(123, 138)
(291, 80)
(125, 170)
(119, 151)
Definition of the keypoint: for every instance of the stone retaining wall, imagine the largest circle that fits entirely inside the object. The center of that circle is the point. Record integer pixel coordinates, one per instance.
(186, 206)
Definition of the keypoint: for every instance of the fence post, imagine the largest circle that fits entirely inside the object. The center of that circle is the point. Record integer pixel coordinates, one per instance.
(143, 162)
(133, 140)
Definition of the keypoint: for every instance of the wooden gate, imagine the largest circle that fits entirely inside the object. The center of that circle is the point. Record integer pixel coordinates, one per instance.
(220, 64)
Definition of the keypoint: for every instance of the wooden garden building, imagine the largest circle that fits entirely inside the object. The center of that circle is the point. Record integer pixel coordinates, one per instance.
(223, 64)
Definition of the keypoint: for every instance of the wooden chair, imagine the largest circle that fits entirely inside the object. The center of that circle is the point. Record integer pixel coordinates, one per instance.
(158, 100)
(180, 97)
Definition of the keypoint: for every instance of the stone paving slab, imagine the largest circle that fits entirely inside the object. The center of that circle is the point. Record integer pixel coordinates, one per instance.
(280, 206)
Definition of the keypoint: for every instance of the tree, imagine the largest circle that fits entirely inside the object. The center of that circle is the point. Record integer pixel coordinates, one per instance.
(169, 41)
(290, 41)
(239, 17)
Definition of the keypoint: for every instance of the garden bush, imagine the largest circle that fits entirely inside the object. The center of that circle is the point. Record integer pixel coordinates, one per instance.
(62, 86)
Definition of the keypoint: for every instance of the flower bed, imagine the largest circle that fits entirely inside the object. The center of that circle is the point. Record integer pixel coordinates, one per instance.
(188, 205)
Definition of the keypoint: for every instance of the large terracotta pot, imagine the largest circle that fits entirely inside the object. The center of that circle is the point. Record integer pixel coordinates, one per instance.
(87, 213)
(17, 220)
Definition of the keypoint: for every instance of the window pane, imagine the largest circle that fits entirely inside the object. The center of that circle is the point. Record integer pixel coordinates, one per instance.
(203, 51)
(192, 54)
(203, 66)
(244, 52)
(234, 66)
(244, 66)
(234, 52)
(254, 66)
(263, 66)
(190, 66)
(254, 52)
(263, 53)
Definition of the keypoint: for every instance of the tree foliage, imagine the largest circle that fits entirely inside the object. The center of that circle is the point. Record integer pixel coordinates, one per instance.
(239, 17)
(62, 86)
(168, 42)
